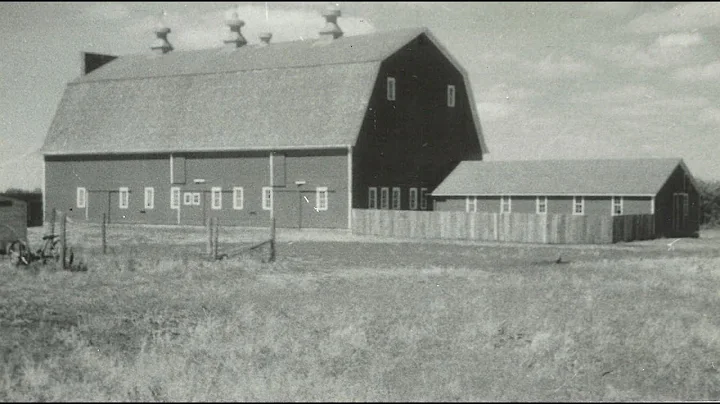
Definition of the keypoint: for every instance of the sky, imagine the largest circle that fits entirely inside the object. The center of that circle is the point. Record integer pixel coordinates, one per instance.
(551, 80)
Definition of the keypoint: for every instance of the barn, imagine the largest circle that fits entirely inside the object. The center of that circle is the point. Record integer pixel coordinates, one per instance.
(663, 187)
(13, 221)
(302, 131)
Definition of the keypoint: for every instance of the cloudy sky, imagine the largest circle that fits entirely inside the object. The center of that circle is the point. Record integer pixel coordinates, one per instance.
(551, 80)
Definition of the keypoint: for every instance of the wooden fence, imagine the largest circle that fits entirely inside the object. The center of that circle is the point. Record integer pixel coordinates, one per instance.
(511, 227)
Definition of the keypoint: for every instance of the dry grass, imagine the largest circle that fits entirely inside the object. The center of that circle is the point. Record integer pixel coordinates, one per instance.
(375, 321)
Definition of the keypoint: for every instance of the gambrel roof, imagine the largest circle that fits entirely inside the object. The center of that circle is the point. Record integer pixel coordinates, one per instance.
(300, 94)
(603, 177)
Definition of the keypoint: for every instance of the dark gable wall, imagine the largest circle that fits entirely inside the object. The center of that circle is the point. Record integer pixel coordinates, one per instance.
(416, 140)
(678, 182)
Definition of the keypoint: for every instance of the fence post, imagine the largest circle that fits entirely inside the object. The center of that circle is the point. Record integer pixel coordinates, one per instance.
(271, 258)
(216, 231)
(52, 221)
(104, 234)
(208, 227)
(63, 220)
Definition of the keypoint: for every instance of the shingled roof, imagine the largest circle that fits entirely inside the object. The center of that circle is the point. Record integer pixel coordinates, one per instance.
(620, 177)
(300, 94)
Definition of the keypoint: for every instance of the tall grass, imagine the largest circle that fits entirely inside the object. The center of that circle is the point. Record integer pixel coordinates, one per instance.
(140, 327)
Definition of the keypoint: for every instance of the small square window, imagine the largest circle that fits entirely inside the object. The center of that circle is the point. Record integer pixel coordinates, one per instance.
(384, 198)
(216, 197)
(471, 204)
(196, 198)
(81, 197)
(413, 198)
(267, 198)
(541, 205)
(505, 204)
(617, 205)
(187, 198)
(175, 198)
(396, 198)
(391, 88)
(451, 96)
(123, 198)
(372, 198)
(321, 199)
(578, 205)
(238, 198)
(149, 198)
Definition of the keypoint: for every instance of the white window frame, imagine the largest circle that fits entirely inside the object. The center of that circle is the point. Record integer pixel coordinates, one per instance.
(321, 199)
(543, 204)
(471, 204)
(196, 198)
(652, 205)
(175, 198)
(451, 96)
(384, 198)
(391, 89)
(81, 197)
(216, 196)
(126, 192)
(575, 204)
(149, 202)
(187, 198)
(267, 198)
(396, 197)
(423, 198)
(503, 199)
(413, 198)
(238, 192)
(372, 198)
(613, 205)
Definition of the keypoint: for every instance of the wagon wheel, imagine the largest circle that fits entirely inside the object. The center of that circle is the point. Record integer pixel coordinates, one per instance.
(19, 252)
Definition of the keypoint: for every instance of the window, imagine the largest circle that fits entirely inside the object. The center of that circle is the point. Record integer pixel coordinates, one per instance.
(451, 96)
(617, 205)
(471, 204)
(372, 198)
(384, 197)
(238, 198)
(578, 205)
(423, 198)
(81, 197)
(123, 198)
(391, 88)
(216, 197)
(652, 205)
(175, 198)
(396, 198)
(149, 198)
(505, 204)
(321, 199)
(541, 204)
(267, 198)
(187, 198)
(196, 198)
(413, 198)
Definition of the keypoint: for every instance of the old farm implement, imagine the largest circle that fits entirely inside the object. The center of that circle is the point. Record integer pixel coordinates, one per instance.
(54, 248)
(266, 247)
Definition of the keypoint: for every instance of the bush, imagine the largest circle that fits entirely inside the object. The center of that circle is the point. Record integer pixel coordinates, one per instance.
(709, 203)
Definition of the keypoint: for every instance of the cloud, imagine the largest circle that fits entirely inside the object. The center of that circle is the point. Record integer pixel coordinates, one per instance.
(493, 111)
(666, 51)
(564, 66)
(710, 115)
(502, 92)
(710, 71)
(686, 16)
(680, 39)
(208, 30)
(106, 11)
(613, 7)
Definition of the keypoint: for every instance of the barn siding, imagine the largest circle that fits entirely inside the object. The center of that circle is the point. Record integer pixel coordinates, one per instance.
(13, 220)
(677, 182)
(399, 140)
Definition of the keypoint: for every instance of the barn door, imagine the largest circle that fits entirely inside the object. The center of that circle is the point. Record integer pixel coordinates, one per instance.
(680, 211)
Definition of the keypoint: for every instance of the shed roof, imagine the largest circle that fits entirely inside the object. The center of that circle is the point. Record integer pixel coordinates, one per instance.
(300, 94)
(629, 177)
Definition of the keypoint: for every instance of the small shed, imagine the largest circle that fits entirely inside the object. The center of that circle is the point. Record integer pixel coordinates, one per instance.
(663, 187)
(13, 221)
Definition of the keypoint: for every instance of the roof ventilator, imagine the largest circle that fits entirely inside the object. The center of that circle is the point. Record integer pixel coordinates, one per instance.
(161, 45)
(332, 29)
(235, 39)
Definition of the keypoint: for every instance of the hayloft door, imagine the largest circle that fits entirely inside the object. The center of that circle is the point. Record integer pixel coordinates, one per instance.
(680, 211)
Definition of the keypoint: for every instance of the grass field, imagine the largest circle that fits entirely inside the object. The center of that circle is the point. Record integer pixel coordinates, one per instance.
(358, 319)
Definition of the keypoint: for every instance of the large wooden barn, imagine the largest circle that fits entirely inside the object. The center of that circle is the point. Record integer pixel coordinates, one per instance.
(663, 187)
(303, 130)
